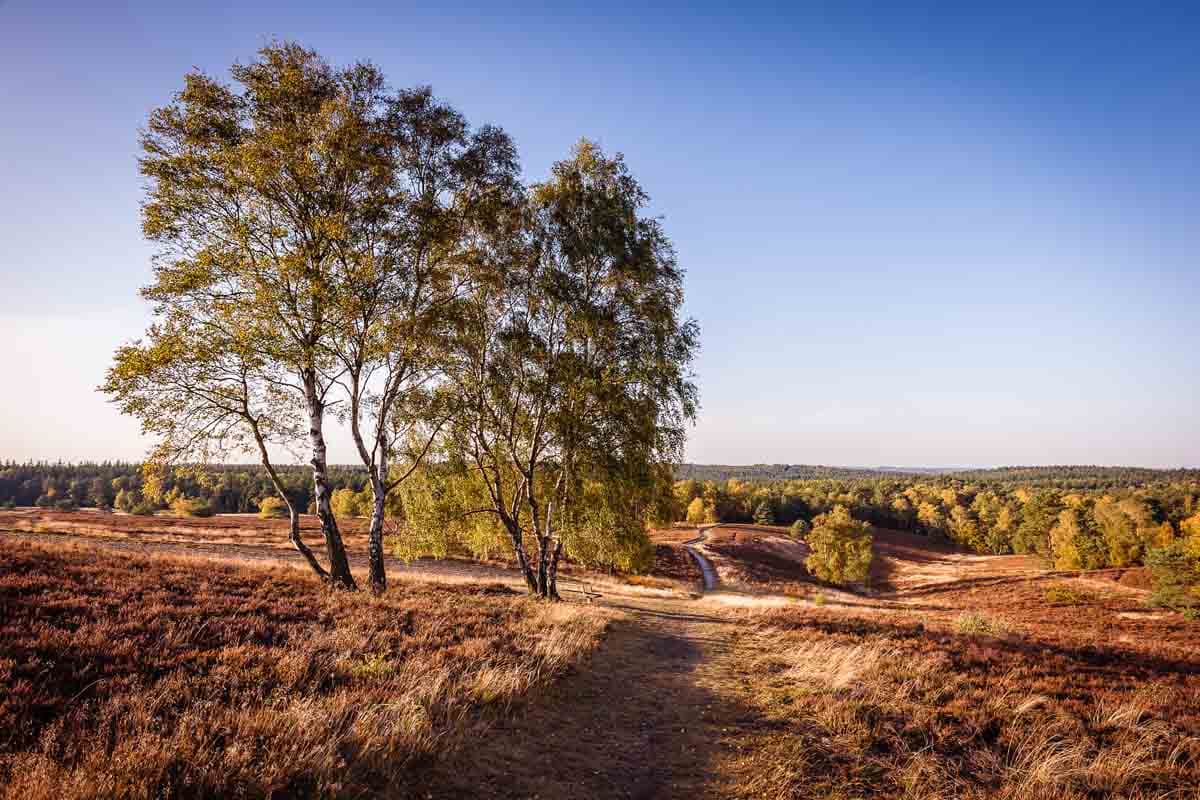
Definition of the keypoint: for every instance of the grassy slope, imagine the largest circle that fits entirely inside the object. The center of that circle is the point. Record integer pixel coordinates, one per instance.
(858, 705)
(148, 676)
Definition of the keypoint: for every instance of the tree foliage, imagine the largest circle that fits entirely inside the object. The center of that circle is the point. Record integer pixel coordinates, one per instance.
(841, 547)
(570, 367)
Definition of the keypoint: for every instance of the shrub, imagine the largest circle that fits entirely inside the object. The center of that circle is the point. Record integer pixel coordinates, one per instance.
(192, 507)
(142, 509)
(226, 681)
(1176, 575)
(272, 507)
(1064, 594)
(841, 547)
(975, 624)
(126, 500)
(800, 528)
(66, 504)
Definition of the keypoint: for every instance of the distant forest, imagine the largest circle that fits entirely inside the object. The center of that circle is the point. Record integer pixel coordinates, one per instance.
(237, 488)
(224, 488)
(1061, 477)
(1073, 517)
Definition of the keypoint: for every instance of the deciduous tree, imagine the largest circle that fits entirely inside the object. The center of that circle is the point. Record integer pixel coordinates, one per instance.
(572, 363)
(841, 547)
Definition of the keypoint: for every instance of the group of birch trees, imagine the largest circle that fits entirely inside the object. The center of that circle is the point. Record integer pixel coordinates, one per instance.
(329, 247)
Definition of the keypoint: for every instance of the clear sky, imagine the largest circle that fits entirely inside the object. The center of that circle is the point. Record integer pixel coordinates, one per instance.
(914, 233)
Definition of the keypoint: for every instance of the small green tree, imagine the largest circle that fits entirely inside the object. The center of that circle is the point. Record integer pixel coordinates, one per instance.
(125, 500)
(800, 528)
(1076, 543)
(841, 547)
(763, 514)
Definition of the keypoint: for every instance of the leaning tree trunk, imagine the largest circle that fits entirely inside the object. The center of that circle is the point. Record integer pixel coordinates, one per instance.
(339, 565)
(293, 513)
(298, 542)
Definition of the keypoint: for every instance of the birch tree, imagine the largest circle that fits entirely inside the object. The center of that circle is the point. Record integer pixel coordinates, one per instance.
(403, 282)
(259, 198)
(571, 364)
(203, 397)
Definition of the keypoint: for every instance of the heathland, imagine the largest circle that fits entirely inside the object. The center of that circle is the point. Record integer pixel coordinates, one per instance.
(168, 655)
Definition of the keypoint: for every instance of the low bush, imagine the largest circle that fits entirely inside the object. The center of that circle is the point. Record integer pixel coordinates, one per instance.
(872, 707)
(975, 624)
(127, 676)
(192, 507)
(272, 508)
(1067, 595)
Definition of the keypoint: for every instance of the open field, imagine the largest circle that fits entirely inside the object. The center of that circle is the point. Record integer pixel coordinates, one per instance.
(959, 676)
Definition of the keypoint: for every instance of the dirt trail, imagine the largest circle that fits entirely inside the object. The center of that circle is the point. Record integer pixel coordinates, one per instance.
(651, 716)
(695, 548)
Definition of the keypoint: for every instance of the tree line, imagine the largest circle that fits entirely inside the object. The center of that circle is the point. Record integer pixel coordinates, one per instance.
(1061, 477)
(329, 247)
(1154, 523)
(221, 488)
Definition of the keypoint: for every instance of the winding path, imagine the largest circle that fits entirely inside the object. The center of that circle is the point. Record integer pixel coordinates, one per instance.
(694, 550)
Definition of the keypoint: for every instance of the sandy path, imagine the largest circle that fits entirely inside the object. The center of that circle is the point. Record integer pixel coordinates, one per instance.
(651, 716)
(694, 548)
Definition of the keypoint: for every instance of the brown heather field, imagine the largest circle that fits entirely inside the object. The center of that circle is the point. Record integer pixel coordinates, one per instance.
(145, 676)
(132, 669)
(978, 704)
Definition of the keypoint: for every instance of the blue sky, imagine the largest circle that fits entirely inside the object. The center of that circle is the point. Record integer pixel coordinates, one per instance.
(915, 233)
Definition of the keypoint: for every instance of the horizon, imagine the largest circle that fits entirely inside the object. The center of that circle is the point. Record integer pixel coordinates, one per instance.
(911, 236)
(882, 468)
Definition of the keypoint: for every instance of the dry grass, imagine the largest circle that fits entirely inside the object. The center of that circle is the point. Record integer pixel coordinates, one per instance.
(128, 676)
(858, 707)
